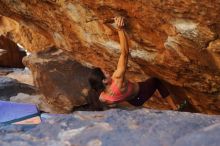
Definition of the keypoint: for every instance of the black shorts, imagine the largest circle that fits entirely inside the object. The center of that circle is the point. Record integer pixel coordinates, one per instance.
(147, 89)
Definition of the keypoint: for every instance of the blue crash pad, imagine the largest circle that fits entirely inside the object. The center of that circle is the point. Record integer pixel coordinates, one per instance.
(11, 112)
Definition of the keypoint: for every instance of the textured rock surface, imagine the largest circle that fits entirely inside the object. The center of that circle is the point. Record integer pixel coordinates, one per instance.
(118, 127)
(36, 99)
(62, 81)
(11, 87)
(21, 75)
(10, 54)
(16, 85)
(176, 41)
(25, 36)
(5, 71)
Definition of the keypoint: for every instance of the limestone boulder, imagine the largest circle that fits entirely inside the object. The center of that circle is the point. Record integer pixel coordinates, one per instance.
(30, 39)
(64, 84)
(10, 87)
(62, 81)
(21, 75)
(175, 41)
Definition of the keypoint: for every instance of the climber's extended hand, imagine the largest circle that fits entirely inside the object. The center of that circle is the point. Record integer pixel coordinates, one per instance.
(120, 22)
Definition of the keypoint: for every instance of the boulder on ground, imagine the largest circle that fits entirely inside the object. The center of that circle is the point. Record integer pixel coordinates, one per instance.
(62, 81)
(10, 87)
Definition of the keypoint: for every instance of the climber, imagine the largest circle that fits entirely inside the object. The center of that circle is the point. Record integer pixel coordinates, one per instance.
(117, 88)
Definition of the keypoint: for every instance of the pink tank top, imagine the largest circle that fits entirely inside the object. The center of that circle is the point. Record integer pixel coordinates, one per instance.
(117, 94)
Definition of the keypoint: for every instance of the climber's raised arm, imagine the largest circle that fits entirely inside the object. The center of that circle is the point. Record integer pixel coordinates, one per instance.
(124, 48)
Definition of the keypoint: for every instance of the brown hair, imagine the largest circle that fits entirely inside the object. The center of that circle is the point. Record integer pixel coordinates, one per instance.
(96, 79)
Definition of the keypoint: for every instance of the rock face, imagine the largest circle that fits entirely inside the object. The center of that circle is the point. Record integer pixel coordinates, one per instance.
(21, 75)
(176, 41)
(10, 54)
(25, 36)
(16, 85)
(62, 81)
(11, 87)
(118, 127)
